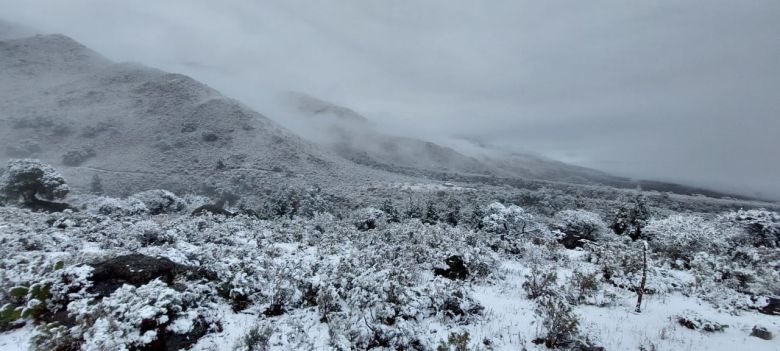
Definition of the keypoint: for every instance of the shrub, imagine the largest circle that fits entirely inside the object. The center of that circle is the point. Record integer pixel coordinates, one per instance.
(159, 201)
(136, 317)
(368, 218)
(391, 213)
(30, 179)
(631, 217)
(540, 283)
(679, 237)
(255, 340)
(583, 287)
(512, 220)
(561, 325)
(761, 227)
(77, 157)
(577, 226)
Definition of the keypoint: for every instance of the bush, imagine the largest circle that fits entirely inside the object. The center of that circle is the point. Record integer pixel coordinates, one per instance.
(762, 227)
(578, 226)
(159, 201)
(29, 179)
(540, 283)
(583, 288)
(77, 157)
(631, 217)
(679, 237)
(508, 221)
(561, 325)
(136, 317)
(368, 218)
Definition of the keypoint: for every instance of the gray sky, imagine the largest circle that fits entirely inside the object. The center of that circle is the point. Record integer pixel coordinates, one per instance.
(675, 90)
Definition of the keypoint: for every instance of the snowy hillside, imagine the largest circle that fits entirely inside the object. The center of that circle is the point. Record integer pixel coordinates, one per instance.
(137, 128)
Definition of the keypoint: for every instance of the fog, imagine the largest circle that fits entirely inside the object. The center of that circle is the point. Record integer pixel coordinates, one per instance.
(684, 91)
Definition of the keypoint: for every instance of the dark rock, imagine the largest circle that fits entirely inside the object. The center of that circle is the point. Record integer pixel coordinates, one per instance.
(457, 269)
(37, 205)
(189, 128)
(762, 333)
(772, 308)
(239, 303)
(274, 310)
(169, 341)
(133, 269)
(213, 209)
(573, 240)
(451, 307)
(210, 137)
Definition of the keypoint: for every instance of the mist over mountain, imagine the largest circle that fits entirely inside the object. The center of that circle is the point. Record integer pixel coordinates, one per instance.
(139, 128)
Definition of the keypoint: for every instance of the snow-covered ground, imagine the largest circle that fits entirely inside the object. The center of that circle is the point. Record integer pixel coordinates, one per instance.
(498, 280)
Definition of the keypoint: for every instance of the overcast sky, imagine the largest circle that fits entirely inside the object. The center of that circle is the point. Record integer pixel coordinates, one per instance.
(677, 90)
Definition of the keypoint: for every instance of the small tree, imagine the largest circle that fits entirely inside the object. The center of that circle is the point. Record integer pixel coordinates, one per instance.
(391, 213)
(431, 215)
(414, 210)
(641, 290)
(96, 185)
(28, 180)
(631, 218)
(452, 212)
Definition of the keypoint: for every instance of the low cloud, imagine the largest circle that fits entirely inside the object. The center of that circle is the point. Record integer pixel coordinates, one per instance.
(670, 90)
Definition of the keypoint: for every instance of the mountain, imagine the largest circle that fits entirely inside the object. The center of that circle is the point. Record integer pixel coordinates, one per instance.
(137, 127)
(356, 138)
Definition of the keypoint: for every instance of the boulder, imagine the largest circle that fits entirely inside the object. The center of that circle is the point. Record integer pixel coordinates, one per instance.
(133, 269)
(457, 269)
(762, 333)
(772, 308)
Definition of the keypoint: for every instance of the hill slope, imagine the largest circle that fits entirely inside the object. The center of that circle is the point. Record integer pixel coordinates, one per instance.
(137, 127)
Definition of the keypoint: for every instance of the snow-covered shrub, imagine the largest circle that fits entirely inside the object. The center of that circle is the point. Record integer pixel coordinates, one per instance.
(46, 296)
(738, 280)
(149, 232)
(110, 206)
(679, 237)
(540, 282)
(503, 220)
(256, 339)
(694, 321)
(134, 317)
(631, 217)
(620, 264)
(560, 324)
(455, 342)
(390, 211)
(451, 212)
(30, 179)
(368, 218)
(761, 227)
(78, 156)
(54, 337)
(511, 227)
(159, 201)
(584, 288)
(579, 225)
